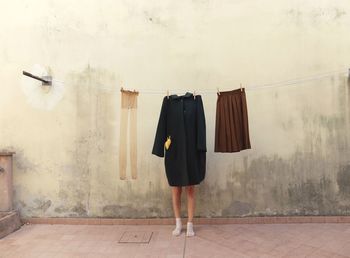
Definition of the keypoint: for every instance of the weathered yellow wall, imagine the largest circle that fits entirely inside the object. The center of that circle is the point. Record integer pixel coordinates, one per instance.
(67, 157)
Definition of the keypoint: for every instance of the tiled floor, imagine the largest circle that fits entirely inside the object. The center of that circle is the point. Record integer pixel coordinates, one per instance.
(236, 240)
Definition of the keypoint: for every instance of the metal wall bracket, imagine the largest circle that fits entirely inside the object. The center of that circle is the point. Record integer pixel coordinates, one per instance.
(46, 80)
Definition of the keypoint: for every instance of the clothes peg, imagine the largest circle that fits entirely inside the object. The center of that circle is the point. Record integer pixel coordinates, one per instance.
(194, 94)
(241, 86)
(167, 143)
(167, 94)
(121, 89)
(218, 91)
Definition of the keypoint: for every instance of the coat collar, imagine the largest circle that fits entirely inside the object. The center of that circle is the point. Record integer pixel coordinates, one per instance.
(187, 95)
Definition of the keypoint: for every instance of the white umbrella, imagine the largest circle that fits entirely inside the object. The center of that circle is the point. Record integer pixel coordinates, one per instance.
(44, 97)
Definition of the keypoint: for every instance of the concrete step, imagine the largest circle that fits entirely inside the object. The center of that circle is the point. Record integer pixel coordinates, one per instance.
(9, 222)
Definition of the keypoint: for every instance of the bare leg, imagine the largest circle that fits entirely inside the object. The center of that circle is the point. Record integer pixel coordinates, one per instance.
(176, 195)
(190, 209)
(190, 202)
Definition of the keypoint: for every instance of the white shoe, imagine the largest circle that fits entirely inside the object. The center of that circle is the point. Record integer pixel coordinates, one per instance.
(190, 232)
(177, 230)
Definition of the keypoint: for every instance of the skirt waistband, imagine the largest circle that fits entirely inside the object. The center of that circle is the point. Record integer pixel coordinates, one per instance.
(231, 92)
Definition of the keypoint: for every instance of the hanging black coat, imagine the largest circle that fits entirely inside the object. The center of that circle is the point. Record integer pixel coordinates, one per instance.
(182, 118)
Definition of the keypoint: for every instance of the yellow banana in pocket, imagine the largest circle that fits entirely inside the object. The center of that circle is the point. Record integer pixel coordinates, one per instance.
(167, 143)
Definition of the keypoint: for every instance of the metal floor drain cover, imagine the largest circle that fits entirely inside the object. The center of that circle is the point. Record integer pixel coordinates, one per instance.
(136, 237)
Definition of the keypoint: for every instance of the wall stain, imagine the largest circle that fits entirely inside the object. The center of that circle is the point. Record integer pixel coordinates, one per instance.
(338, 13)
(314, 16)
(343, 180)
(313, 197)
(80, 210)
(42, 205)
(238, 208)
(155, 19)
(61, 209)
(22, 164)
(94, 90)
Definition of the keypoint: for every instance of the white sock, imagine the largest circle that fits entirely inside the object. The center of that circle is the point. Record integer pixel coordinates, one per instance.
(177, 230)
(190, 231)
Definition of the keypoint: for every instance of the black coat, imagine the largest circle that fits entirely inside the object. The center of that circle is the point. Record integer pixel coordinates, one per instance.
(182, 118)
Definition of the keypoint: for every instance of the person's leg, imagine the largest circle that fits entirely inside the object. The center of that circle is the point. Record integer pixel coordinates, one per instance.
(190, 209)
(176, 196)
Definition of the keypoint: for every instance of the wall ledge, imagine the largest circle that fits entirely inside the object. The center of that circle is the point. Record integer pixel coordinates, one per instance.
(170, 221)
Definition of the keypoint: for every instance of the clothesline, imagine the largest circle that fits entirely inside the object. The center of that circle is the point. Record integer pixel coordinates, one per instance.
(253, 87)
(290, 82)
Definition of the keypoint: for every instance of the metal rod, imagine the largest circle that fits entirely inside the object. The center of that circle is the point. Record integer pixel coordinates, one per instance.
(36, 77)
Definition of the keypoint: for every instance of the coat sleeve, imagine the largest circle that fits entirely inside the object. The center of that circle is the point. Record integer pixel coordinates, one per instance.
(161, 133)
(201, 131)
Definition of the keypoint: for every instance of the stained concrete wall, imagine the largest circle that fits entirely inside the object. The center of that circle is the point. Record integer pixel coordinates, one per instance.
(67, 155)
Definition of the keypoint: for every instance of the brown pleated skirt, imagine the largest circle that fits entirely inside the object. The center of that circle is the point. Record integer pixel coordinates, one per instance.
(231, 129)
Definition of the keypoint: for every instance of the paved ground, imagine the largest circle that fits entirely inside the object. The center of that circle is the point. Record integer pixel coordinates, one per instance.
(236, 240)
